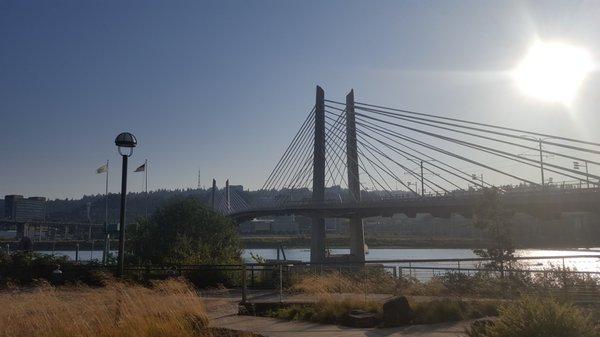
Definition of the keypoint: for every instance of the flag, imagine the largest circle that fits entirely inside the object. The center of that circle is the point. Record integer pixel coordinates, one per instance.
(102, 169)
(142, 168)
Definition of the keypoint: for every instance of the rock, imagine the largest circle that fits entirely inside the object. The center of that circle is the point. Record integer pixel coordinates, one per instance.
(362, 319)
(397, 311)
(480, 327)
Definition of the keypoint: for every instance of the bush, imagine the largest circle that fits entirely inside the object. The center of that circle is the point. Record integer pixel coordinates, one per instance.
(327, 311)
(184, 231)
(539, 317)
(449, 310)
(26, 268)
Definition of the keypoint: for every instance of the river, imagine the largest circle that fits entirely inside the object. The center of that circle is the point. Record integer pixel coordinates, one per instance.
(301, 254)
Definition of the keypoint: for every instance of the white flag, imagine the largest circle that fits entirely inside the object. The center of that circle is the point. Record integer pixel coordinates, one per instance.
(102, 169)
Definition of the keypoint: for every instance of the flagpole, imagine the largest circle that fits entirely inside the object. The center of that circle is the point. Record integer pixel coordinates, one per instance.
(146, 172)
(106, 196)
(106, 235)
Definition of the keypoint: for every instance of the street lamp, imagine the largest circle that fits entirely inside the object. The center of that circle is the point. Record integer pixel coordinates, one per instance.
(125, 142)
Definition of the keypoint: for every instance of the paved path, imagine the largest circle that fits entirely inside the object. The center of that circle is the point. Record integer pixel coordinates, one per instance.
(272, 327)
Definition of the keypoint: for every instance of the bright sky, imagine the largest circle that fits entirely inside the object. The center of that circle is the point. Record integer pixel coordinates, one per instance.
(223, 85)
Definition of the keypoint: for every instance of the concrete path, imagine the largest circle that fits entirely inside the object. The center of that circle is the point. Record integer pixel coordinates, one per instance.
(272, 327)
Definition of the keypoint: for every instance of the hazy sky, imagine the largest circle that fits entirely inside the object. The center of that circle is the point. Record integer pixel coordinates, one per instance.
(224, 85)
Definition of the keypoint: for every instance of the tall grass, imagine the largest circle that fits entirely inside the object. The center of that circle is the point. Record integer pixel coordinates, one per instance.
(538, 317)
(168, 308)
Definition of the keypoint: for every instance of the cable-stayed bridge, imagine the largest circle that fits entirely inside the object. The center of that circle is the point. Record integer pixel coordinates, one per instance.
(353, 159)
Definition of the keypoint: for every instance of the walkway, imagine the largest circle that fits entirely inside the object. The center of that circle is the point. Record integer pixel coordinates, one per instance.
(272, 327)
(222, 308)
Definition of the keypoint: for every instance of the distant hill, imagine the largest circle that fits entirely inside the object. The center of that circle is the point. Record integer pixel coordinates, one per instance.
(75, 210)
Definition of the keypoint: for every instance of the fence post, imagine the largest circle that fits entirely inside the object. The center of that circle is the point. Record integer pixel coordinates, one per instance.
(244, 295)
(280, 283)
(77, 252)
(365, 269)
(340, 279)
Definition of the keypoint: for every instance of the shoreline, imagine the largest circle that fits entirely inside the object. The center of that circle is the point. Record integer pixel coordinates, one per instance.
(303, 242)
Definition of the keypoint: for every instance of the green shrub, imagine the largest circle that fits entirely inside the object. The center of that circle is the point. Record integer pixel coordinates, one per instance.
(25, 268)
(326, 311)
(539, 317)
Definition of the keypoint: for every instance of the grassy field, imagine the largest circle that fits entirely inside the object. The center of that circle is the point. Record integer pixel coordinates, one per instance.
(168, 308)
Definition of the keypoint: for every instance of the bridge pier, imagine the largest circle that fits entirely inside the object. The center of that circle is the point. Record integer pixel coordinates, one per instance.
(317, 237)
(357, 235)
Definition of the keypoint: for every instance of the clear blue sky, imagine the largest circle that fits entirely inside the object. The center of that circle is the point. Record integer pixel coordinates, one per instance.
(223, 85)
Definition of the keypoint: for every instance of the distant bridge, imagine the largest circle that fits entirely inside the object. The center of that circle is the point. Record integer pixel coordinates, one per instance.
(387, 161)
(539, 204)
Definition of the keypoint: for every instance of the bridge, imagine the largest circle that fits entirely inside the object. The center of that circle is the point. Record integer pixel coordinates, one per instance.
(355, 160)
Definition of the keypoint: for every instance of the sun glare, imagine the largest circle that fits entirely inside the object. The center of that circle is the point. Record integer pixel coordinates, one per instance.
(553, 72)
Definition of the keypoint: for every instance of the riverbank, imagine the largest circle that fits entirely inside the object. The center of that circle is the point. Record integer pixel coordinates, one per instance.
(303, 241)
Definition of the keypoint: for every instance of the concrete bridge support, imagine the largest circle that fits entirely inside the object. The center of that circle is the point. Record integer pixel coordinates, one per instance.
(357, 236)
(317, 238)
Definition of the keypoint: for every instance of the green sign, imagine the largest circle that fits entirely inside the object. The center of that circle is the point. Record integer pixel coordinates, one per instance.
(111, 228)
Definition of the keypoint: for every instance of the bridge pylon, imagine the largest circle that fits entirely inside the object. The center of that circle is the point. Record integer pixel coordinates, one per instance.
(357, 235)
(317, 237)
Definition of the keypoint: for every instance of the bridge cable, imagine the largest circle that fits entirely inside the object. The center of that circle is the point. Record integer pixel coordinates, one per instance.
(465, 159)
(415, 175)
(338, 129)
(361, 166)
(417, 121)
(294, 139)
(412, 172)
(292, 161)
(482, 124)
(465, 143)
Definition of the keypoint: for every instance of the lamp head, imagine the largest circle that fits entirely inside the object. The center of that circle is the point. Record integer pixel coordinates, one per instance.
(126, 140)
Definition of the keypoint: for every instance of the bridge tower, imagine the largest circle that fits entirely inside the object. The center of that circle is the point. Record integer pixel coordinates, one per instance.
(317, 237)
(213, 193)
(227, 196)
(357, 235)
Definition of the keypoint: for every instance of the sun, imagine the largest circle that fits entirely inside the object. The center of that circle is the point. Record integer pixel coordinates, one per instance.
(553, 71)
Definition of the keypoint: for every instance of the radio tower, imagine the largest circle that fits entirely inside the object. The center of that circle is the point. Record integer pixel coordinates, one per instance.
(199, 184)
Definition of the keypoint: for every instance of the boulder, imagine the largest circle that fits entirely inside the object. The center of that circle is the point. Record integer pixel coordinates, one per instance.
(361, 319)
(480, 327)
(397, 311)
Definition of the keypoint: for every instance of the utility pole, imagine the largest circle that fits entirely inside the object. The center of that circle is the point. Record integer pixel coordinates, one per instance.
(422, 183)
(357, 235)
(317, 238)
(577, 166)
(541, 162)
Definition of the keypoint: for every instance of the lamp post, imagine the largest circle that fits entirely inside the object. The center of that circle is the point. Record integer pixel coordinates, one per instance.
(125, 142)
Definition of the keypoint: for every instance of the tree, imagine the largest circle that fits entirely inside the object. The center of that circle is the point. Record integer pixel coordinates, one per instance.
(492, 216)
(184, 231)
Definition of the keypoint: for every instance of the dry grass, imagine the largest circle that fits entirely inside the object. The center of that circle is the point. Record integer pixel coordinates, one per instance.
(327, 284)
(169, 308)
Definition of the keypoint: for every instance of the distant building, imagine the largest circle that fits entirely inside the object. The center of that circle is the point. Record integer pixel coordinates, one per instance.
(18, 208)
(236, 188)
